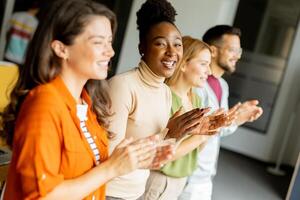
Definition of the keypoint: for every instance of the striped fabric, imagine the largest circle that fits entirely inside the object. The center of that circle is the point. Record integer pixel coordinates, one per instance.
(81, 114)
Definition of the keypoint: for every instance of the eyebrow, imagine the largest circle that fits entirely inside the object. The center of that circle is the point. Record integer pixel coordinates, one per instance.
(97, 36)
(162, 37)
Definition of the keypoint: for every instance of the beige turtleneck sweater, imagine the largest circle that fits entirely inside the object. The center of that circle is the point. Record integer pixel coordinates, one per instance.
(142, 103)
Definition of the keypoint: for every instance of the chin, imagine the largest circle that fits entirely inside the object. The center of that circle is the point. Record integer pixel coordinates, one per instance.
(168, 73)
(200, 85)
(231, 70)
(101, 76)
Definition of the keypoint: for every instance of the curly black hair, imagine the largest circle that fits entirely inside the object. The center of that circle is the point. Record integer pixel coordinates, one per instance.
(153, 12)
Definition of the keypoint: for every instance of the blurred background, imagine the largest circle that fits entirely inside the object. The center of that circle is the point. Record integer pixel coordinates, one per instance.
(269, 71)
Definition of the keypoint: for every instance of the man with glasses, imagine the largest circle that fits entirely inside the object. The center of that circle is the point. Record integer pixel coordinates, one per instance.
(226, 49)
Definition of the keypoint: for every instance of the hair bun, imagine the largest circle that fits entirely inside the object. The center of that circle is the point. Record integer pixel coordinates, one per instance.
(153, 12)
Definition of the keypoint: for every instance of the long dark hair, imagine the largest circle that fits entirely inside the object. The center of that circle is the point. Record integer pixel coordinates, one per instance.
(63, 20)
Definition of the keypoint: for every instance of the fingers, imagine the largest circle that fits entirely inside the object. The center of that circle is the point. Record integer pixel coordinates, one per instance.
(152, 138)
(163, 155)
(193, 118)
(143, 145)
(191, 129)
(218, 112)
(202, 127)
(213, 132)
(184, 123)
(219, 121)
(258, 112)
(124, 142)
(192, 114)
(205, 110)
(252, 102)
(234, 109)
(139, 152)
(144, 160)
(177, 113)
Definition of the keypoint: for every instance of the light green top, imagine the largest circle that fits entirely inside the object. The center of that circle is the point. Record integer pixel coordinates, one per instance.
(185, 165)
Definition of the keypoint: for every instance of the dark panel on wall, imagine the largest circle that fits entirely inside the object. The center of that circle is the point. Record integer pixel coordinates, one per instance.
(122, 9)
(248, 18)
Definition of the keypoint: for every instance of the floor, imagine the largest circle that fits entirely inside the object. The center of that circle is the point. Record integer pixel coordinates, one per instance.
(243, 178)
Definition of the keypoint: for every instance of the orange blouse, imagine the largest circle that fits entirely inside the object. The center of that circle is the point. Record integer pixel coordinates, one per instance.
(49, 146)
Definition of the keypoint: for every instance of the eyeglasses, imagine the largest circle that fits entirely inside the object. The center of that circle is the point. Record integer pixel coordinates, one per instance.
(237, 51)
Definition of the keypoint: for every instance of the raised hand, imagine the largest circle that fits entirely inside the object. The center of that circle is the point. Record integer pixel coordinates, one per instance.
(164, 153)
(248, 112)
(218, 119)
(232, 114)
(204, 124)
(180, 125)
(130, 155)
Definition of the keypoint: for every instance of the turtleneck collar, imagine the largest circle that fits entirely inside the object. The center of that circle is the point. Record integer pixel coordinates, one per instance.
(148, 76)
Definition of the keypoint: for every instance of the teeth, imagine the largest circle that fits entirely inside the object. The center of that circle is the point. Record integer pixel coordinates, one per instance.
(102, 63)
(168, 63)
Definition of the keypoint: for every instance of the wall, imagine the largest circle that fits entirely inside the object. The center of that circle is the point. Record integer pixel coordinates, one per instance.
(199, 18)
(6, 16)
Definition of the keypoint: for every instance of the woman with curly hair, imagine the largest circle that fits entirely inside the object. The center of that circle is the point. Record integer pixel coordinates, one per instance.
(140, 98)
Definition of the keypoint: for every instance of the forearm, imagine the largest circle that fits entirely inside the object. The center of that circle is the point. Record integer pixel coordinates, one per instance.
(188, 145)
(82, 186)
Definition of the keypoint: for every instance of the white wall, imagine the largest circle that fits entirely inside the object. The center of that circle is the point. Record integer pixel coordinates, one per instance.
(194, 18)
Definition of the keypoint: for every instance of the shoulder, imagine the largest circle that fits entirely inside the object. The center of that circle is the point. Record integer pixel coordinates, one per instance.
(42, 107)
(124, 83)
(123, 79)
(43, 97)
(224, 83)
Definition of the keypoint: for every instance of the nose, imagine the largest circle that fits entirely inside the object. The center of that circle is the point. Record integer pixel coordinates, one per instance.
(171, 51)
(237, 56)
(238, 53)
(208, 70)
(109, 51)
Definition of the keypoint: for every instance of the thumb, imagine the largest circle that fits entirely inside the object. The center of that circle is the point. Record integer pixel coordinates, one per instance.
(218, 112)
(124, 142)
(252, 102)
(234, 108)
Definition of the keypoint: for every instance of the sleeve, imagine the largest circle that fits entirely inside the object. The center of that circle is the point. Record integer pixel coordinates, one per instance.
(38, 141)
(230, 129)
(122, 100)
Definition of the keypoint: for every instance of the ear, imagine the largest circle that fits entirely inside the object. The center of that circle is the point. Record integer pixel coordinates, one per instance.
(183, 67)
(141, 49)
(60, 49)
(214, 51)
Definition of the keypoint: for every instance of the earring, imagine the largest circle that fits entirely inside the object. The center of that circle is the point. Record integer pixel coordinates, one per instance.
(142, 54)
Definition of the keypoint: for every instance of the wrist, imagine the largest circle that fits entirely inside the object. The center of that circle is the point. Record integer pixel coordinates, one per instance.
(111, 169)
